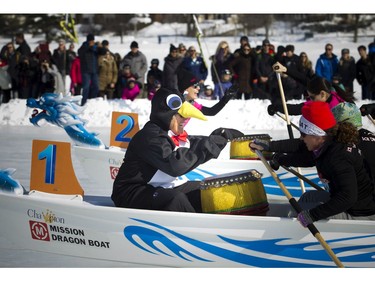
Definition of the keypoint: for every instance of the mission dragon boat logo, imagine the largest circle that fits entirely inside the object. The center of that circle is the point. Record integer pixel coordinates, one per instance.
(48, 230)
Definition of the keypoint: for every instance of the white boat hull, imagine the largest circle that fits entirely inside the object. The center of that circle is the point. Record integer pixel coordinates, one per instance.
(67, 225)
(101, 165)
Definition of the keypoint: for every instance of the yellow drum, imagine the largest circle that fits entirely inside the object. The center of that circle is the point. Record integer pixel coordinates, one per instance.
(240, 193)
(239, 147)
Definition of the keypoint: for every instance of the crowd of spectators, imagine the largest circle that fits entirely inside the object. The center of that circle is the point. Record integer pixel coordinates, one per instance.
(95, 71)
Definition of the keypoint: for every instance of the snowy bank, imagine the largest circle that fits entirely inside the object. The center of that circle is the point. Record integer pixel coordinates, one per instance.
(247, 116)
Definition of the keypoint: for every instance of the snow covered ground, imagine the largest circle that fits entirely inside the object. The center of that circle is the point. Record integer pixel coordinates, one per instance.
(247, 116)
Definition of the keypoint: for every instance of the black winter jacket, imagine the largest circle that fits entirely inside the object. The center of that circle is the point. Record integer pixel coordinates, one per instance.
(151, 150)
(342, 167)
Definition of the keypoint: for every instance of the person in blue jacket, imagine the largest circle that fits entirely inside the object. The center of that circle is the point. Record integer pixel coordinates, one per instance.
(327, 63)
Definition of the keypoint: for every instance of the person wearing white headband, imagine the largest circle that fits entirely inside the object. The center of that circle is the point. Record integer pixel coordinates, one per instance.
(332, 148)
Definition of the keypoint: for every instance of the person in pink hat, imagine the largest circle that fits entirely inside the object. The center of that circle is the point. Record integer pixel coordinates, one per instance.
(332, 148)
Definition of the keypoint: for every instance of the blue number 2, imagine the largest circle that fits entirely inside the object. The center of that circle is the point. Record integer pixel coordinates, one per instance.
(121, 135)
(50, 155)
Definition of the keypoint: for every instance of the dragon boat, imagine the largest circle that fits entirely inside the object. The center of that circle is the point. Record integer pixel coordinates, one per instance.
(101, 162)
(56, 216)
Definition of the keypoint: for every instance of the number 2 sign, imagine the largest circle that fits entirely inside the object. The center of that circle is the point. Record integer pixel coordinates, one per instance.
(123, 127)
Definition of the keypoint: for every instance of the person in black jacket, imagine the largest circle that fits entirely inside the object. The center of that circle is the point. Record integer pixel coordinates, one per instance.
(161, 152)
(332, 148)
(318, 89)
(88, 54)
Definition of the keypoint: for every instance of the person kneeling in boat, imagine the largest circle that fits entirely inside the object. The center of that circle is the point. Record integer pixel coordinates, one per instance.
(350, 191)
(161, 152)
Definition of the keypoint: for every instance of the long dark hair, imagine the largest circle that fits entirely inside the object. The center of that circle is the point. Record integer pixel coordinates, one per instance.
(318, 84)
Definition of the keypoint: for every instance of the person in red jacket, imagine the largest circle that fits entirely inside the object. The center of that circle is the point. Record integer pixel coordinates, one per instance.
(76, 77)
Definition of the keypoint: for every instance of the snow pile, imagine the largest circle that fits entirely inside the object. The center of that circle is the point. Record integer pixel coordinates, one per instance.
(247, 116)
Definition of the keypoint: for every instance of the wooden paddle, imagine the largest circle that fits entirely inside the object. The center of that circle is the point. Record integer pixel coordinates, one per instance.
(291, 123)
(288, 123)
(314, 185)
(314, 231)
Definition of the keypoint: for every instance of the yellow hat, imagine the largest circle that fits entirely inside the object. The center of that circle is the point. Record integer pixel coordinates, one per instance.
(187, 110)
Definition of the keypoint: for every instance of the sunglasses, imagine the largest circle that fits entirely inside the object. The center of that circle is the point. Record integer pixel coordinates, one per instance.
(196, 85)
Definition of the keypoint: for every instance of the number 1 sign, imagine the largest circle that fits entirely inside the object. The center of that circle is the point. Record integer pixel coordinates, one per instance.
(52, 169)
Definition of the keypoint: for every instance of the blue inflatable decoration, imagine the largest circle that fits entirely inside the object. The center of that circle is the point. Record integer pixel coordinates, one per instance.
(8, 184)
(63, 111)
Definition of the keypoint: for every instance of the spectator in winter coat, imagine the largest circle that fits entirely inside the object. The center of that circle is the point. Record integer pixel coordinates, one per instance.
(88, 55)
(292, 88)
(61, 59)
(161, 152)
(5, 82)
(345, 70)
(12, 58)
(326, 65)
(196, 65)
(76, 77)
(332, 148)
(138, 63)
(51, 79)
(171, 63)
(181, 50)
(208, 93)
(220, 61)
(28, 74)
(154, 74)
(23, 47)
(365, 74)
(243, 40)
(131, 91)
(225, 83)
(124, 76)
(241, 67)
(266, 82)
(108, 75)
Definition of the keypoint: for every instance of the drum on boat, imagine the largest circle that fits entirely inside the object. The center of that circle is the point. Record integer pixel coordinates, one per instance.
(239, 147)
(237, 193)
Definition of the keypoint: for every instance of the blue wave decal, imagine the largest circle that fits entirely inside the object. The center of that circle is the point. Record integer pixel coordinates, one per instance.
(292, 183)
(266, 247)
(150, 236)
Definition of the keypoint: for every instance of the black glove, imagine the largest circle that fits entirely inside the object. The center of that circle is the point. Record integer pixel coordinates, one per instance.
(228, 134)
(260, 145)
(367, 109)
(231, 92)
(274, 162)
(274, 107)
(271, 109)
